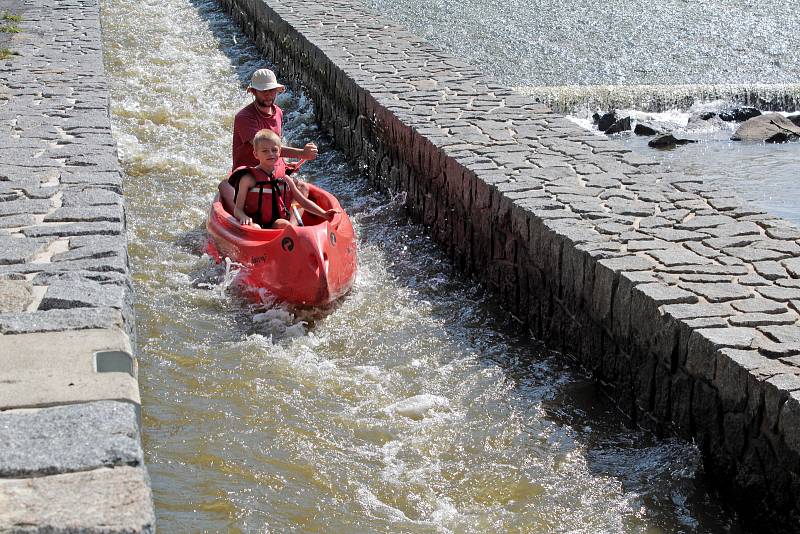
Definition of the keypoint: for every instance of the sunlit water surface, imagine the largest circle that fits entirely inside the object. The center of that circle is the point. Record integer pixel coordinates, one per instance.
(412, 406)
(620, 42)
(651, 48)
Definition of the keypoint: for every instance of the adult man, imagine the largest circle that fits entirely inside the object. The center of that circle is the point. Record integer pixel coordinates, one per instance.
(260, 114)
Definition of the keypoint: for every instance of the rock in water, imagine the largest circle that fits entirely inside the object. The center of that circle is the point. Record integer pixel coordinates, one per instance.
(764, 127)
(643, 128)
(739, 114)
(782, 137)
(703, 121)
(668, 140)
(622, 125)
(606, 120)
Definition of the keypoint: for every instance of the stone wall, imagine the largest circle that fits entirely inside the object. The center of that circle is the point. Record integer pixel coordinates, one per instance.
(70, 453)
(680, 297)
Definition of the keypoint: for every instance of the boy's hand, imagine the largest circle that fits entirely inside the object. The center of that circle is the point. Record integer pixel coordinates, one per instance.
(248, 221)
(310, 151)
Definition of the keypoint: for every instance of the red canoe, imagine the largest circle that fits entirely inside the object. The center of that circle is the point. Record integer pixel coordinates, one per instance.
(306, 265)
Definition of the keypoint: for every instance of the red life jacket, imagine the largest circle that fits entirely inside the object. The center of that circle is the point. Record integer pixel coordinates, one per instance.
(268, 200)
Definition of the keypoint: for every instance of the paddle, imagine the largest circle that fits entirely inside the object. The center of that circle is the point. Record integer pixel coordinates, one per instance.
(295, 211)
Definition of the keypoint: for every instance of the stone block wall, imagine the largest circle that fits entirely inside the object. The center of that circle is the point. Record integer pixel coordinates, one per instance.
(680, 297)
(70, 453)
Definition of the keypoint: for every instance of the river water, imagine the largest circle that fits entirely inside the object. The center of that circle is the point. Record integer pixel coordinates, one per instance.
(414, 405)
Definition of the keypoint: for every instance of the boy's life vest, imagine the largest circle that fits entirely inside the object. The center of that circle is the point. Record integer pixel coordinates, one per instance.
(268, 200)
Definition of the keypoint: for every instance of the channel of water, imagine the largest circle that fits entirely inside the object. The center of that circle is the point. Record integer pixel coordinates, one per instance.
(414, 405)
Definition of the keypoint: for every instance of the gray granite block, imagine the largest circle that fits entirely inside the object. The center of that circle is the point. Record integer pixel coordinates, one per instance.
(91, 196)
(15, 295)
(780, 294)
(75, 229)
(63, 439)
(753, 254)
(719, 292)
(764, 319)
(695, 311)
(19, 250)
(664, 294)
(759, 305)
(86, 213)
(56, 320)
(100, 501)
(24, 206)
(16, 221)
(678, 256)
(66, 294)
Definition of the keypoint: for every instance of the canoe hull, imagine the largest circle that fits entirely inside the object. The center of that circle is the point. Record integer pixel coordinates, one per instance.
(303, 265)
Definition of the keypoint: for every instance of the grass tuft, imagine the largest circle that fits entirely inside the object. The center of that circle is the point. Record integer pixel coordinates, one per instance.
(6, 53)
(12, 18)
(9, 28)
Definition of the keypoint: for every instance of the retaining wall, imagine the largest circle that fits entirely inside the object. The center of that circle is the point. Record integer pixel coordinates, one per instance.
(70, 453)
(680, 297)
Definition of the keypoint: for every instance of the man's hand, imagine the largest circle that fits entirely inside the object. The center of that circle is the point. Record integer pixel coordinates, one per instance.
(310, 151)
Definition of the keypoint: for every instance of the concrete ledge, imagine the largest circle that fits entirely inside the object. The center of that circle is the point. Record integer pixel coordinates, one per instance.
(104, 500)
(46, 369)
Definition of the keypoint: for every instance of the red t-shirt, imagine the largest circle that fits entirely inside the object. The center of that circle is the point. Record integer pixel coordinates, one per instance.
(246, 125)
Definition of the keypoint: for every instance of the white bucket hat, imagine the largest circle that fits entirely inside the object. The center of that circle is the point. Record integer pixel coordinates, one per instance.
(264, 80)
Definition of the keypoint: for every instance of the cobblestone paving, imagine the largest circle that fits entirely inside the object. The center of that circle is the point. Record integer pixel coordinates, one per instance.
(680, 294)
(62, 215)
(63, 268)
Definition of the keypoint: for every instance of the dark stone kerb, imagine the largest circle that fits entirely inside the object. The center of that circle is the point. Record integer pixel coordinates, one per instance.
(682, 296)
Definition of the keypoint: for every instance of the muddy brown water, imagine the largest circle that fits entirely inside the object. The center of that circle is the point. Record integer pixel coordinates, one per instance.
(413, 405)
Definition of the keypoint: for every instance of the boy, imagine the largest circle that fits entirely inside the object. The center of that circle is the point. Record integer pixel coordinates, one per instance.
(269, 176)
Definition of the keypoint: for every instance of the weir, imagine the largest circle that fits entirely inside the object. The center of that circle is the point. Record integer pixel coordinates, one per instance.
(658, 98)
(680, 297)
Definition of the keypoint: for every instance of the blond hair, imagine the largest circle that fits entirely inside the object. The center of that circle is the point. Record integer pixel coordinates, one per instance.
(266, 135)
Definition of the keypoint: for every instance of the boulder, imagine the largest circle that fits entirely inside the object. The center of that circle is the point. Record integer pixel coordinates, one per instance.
(782, 137)
(622, 125)
(643, 128)
(667, 140)
(605, 121)
(704, 121)
(765, 127)
(739, 114)
(795, 119)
